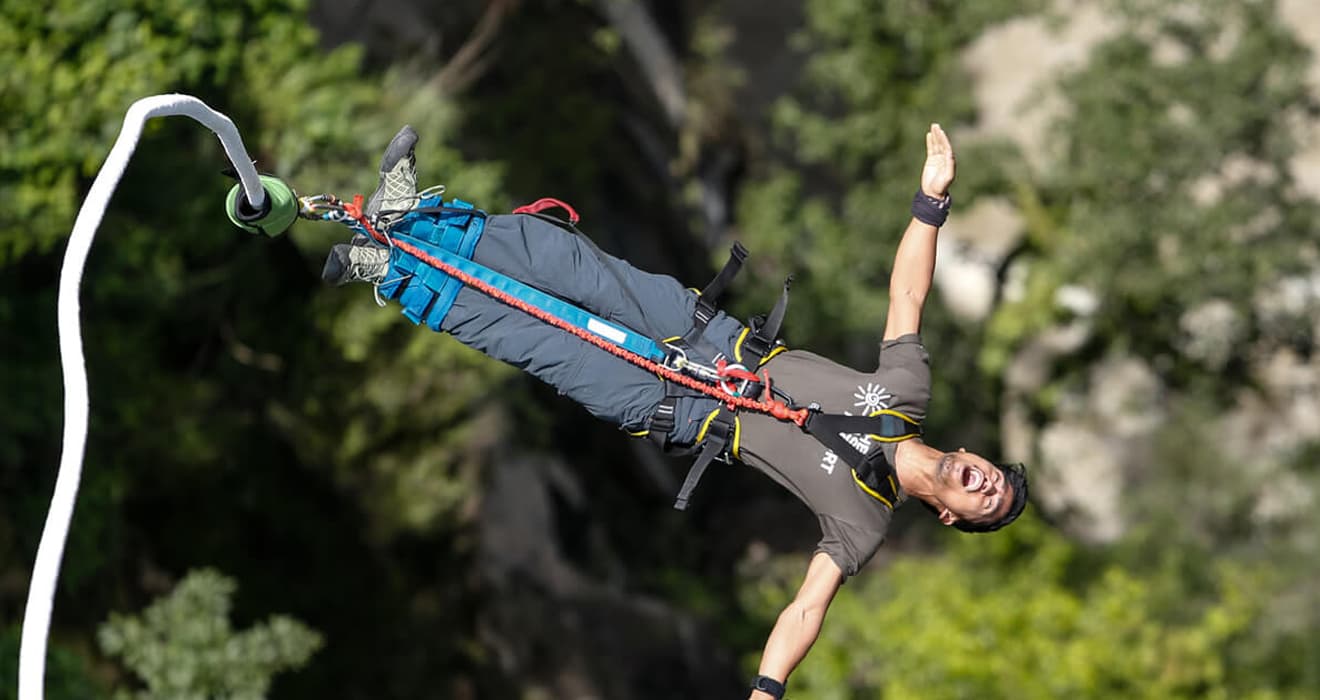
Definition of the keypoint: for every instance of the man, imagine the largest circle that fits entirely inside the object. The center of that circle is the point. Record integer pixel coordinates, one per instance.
(964, 489)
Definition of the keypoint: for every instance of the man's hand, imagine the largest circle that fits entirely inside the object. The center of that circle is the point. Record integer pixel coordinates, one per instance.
(937, 174)
(914, 262)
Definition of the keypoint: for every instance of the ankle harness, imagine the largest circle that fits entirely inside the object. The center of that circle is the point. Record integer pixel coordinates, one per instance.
(426, 293)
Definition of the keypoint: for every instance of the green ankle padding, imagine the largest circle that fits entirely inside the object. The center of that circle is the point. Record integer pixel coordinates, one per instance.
(276, 215)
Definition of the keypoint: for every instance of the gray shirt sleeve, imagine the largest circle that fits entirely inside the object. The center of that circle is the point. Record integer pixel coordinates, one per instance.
(850, 547)
(905, 365)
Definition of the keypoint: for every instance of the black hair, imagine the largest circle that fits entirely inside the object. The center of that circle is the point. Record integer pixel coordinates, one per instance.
(1015, 475)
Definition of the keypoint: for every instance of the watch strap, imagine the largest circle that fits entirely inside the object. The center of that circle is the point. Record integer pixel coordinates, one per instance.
(766, 684)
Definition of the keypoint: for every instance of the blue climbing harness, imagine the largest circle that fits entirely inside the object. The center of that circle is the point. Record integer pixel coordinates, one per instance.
(450, 233)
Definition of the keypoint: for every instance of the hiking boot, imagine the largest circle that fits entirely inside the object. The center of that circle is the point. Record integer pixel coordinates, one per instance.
(397, 191)
(349, 262)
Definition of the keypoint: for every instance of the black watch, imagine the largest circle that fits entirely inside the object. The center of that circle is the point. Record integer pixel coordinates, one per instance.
(766, 684)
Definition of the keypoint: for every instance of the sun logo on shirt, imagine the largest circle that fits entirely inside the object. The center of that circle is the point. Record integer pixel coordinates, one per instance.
(872, 397)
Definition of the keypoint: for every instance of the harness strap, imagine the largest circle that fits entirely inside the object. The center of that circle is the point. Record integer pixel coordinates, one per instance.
(662, 423)
(883, 426)
(466, 209)
(764, 336)
(425, 293)
(870, 467)
(705, 308)
(751, 349)
(432, 274)
(770, 329)
(719, 433)
(715, 289)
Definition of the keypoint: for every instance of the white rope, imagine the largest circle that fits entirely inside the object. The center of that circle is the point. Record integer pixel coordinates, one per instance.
(46, 571)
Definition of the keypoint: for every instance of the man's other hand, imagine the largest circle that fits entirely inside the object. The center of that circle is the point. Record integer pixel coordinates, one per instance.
(937, 174)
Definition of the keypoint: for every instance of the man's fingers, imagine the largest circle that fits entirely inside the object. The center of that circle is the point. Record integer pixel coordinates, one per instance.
(940, 138)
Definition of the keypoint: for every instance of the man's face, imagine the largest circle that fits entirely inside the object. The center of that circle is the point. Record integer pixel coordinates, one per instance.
(971, 488)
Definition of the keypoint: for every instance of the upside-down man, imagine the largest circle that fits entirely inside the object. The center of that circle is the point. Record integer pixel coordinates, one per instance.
(850, 478)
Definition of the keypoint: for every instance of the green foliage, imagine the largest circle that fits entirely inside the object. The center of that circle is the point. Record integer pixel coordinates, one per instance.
(218, 363)
(1029, 615)
(75, 67)
(183, 646)
(68, 675)
(174, 262)
(876, 75)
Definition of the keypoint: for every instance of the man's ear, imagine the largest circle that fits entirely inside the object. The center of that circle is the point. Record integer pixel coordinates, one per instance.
(947, 517)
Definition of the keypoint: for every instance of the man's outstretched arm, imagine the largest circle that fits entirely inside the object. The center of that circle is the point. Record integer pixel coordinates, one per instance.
(914, 263)
(799, 624)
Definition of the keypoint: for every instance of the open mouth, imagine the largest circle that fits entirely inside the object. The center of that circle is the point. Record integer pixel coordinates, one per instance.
(972, 479)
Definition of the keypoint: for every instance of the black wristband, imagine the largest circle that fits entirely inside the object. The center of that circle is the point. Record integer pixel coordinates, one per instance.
(766, 684)
(929, 210)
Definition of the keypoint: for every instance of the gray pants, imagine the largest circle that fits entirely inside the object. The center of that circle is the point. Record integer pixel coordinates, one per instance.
(558, 262)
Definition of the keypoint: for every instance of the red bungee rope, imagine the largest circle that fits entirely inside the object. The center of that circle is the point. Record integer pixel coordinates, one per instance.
(773, 407)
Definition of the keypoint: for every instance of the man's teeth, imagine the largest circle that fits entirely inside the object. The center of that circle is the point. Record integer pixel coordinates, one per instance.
(973, 480)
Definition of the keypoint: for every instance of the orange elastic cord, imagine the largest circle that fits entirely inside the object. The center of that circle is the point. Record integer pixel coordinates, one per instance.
(354, 209)
(778, 409)
(773, 407)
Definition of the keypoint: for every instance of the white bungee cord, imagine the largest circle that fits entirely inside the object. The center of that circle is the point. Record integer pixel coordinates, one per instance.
(45, 572)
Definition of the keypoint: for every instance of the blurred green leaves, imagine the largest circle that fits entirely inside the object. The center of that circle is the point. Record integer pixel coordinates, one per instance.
(183, 645)
(1033, 617)
(77, 66)
(831, 209)
(227, 384)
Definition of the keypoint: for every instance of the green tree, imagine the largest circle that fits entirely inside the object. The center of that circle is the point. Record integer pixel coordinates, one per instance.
(183, 646)
(876, 75)
(218, 363)
(1031, 615)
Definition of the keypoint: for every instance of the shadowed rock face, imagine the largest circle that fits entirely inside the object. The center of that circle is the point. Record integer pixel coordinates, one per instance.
(563, 631)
